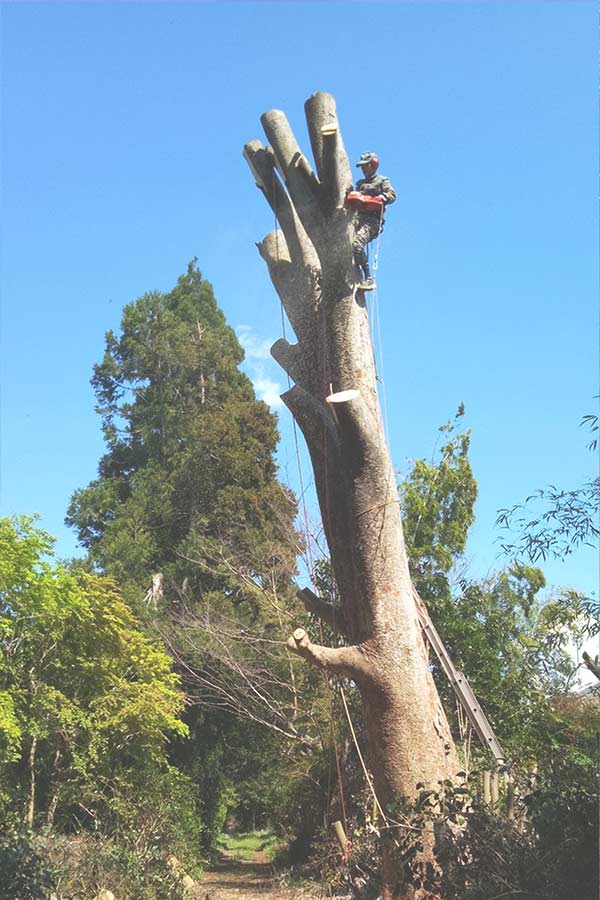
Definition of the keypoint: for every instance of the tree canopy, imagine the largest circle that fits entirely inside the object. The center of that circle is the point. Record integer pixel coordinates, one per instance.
(189, 468)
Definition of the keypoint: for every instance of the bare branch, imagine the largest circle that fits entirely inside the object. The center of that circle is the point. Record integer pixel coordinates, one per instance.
(591, 664)
(330, 156)
(344, 661)
(262, 164)
(230, 686)
(332, 614)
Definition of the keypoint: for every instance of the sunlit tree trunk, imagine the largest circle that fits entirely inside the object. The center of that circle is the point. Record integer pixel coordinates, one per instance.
(30, 808)
(311, 265)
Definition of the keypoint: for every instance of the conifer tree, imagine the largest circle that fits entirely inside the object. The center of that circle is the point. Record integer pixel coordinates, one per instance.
(189, 475)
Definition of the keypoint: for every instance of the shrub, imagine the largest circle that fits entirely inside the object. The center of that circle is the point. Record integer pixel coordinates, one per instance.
(25, 866)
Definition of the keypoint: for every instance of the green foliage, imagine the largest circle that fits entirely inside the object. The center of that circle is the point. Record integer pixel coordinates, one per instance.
(10, 729)
(515, 648)
(88, 863)
(33, 866)
(128, 850)
(217, 794)
(513, 641)
(553, 522)
(89, 702)
(189, 468)
(26, 871)
(245, 845)
(549, 851)
(437, 501)
(188, 488)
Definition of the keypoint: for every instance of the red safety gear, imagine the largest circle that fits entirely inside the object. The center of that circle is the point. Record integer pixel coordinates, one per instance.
(363, 202)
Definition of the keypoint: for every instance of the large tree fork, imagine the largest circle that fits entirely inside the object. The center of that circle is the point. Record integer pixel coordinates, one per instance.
(310, 261)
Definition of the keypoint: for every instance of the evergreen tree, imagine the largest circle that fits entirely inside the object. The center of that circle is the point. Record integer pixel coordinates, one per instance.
(189, 477)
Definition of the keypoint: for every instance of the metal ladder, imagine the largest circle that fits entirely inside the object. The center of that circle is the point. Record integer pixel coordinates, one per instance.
(460, 685)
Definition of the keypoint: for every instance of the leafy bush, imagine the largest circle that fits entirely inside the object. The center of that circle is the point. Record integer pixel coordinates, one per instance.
(477, 855)
(25, 867)
(88, 863)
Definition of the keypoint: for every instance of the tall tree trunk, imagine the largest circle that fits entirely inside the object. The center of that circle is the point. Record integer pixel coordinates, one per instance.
(311, 265)
(55, 794)
(30, 809)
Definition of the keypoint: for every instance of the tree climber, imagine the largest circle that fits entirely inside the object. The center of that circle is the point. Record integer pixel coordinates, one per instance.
(373, 193)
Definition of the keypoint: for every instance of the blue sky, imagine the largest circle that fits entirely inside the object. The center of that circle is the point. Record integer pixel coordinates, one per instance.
(123, 125)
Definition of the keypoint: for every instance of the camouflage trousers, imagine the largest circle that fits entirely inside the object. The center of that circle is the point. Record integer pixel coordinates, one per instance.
(365, 230)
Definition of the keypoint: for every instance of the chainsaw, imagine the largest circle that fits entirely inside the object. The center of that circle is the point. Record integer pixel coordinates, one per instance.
(363, 203)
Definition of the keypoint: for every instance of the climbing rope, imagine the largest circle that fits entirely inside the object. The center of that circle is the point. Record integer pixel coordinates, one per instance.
(366, 772)
(375, 322)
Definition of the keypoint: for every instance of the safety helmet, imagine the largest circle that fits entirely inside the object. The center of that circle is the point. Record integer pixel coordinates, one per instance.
(367, 159)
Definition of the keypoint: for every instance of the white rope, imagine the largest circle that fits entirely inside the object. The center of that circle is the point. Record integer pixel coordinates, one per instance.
(377, 345)
(367, 774)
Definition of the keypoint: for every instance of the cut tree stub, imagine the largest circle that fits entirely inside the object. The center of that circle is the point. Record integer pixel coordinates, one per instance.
(343, 396)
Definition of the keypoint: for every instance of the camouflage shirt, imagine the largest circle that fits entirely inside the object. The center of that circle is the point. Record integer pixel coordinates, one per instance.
(377, 186)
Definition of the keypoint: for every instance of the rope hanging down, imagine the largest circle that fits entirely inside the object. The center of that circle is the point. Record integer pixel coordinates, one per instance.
(375, 322)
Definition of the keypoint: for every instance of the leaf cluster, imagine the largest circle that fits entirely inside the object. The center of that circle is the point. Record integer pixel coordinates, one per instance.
(84, 690)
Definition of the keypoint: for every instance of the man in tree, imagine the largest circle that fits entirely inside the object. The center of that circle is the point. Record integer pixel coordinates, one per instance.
(369, 218)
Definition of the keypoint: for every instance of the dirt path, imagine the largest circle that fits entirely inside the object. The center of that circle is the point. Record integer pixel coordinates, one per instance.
(251, 878)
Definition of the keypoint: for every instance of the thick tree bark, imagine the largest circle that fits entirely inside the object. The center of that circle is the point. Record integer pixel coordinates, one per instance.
(311, 265)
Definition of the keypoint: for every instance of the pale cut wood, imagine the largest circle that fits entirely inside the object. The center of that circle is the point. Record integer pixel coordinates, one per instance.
(343, 396)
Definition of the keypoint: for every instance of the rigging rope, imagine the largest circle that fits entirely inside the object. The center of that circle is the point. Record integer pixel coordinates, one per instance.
(362, 762)
(376, 321)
